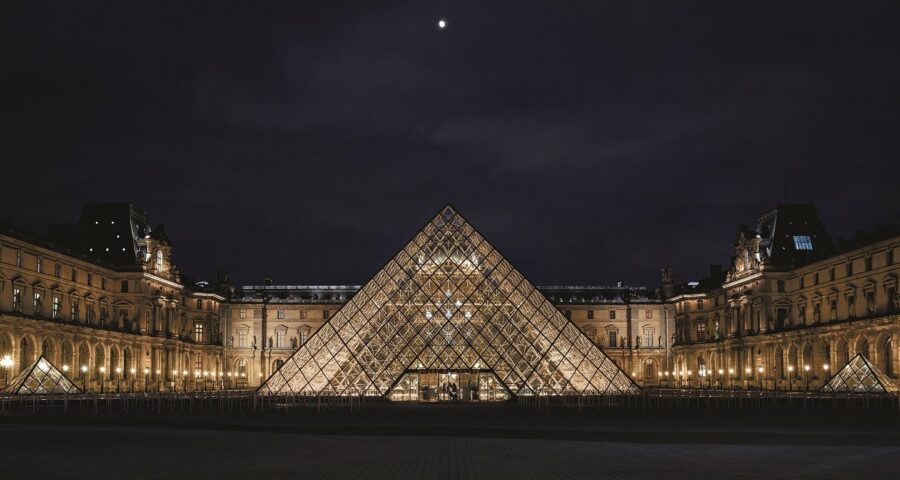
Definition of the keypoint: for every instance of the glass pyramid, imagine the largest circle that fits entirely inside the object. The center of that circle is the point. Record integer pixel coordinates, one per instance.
(448, 302)
(40, 378)
(859, 376)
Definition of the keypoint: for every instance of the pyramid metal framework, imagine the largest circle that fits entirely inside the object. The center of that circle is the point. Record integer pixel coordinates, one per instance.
(40, 378)
(859, 376)
(448, 301)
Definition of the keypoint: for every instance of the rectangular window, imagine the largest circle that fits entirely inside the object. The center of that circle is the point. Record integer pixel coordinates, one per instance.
(74, 274)
(279, 338)
(831, 274)
(103, 283)
(57, 270)
(612, 314)
(803, 242)
(850, 268)
(868, 264)
(57, 307)
(649, 314)
(38, 305)
(304, 336)
(198, 332)
(802, 282)
(816, 278)
(90, 279)
(648, 338)
(889, 256)
(73, 310)
(701, 330)
(302, 314)
(280, 314)
(124, 286)
(40, 264)
(613, 336)
(19, 258)
(782, 318)
(326, 314)
(242, 338)
(17, 299)
(199, 304)
(590, 314)
(242, 313)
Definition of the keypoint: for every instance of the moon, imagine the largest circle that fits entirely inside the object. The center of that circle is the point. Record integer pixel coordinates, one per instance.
(442, 24)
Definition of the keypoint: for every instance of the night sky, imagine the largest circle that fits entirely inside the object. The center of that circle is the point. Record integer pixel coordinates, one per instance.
(590, 142)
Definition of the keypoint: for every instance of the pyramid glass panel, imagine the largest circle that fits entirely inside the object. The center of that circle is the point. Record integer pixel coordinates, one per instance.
(40, 378)
(448, 318)
(859, 376)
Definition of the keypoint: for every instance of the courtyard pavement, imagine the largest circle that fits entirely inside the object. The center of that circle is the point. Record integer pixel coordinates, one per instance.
(454, 442)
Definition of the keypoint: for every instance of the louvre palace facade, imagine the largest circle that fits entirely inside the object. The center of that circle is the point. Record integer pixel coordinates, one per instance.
(104, 301)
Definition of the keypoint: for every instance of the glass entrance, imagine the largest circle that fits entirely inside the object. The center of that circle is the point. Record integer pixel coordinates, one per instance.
(449, 386)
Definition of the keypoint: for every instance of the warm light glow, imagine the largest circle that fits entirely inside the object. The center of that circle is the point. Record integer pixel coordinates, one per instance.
(65, 368)
(825, 366)
(806, 367)
(184, 372)
(83, 368)
(133, 370)
(731, 371)
(158, 371)
(102, 369)
(146, 371)
(7, 361)
(790, 368)
(442, 24)
(118, 369)
(760, 369)
(747, 370)
(721, 371)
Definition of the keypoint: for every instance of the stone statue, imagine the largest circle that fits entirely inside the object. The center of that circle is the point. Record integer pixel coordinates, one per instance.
(293, 343)
(817, 313)
(254, 342)
(851, 306)
(637, 341)
(270, 343)
(659, 341)
(231, 341)
(870, 304)
(895, 301)
(667, 275)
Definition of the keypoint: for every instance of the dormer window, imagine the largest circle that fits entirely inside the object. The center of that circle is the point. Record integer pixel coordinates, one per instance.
(803, 242)
(159, 261)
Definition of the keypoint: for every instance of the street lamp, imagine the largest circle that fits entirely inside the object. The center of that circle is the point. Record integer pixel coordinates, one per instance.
(175, 380)
(221, 380)
(184, 377)
(102, 382)
(825, 375)
(132, 371)
(721, 373)
(760, 370)
(146, 378)
(158, 374)
(806, 369)
(83, 380)
(6, 363)
(689, 378)
(118, 379)
(747, 376)
(790, 377)
(731, 377)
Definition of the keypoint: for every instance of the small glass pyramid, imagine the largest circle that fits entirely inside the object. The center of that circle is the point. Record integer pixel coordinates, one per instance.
(859, 376)
(40, 378)
(448, 304)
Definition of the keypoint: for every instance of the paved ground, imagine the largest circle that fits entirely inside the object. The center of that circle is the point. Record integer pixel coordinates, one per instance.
(454, 442)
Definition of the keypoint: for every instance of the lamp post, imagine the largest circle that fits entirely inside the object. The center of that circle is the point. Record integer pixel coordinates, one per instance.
(229, 379)
(118, 379)
(83, 379)
(184, 379)
(721, 378)
(790, 377)
(175, 380)
(731, 377)
(689, 378)
(221, 380)
(747, 376)
(102, 380)
(760, 371)
(158, 374)
(146, 378)
(825, 368)
(806, 369)
(132, 372)
(6, 363)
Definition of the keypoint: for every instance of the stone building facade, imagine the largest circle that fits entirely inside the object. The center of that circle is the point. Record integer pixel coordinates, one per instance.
(103, 301)
(792, 308)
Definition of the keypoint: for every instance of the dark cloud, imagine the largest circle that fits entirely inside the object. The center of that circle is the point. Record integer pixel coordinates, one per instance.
(590, 142)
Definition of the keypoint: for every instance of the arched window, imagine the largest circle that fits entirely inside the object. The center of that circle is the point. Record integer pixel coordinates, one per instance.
(47, 350)
(649, 369)
(68, 355)
(113, 361)
(241, 367)
(159, 261)
(26, 353)
(126, 364)
(99, 360)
